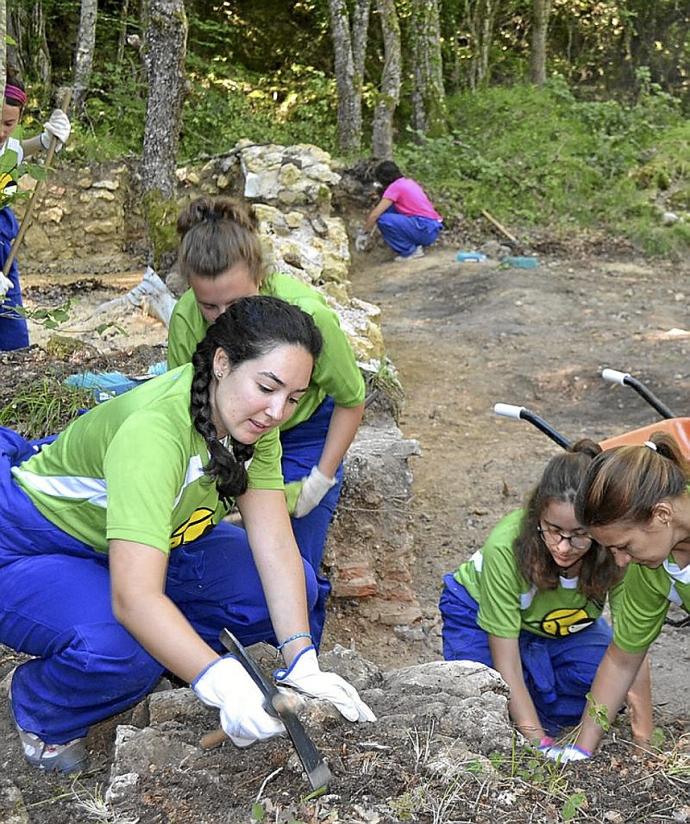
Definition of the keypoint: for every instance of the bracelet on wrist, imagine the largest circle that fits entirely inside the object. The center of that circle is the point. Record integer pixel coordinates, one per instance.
(547, 741)
(293, 638)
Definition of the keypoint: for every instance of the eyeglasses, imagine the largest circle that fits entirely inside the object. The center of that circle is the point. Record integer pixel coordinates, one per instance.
(554, 536)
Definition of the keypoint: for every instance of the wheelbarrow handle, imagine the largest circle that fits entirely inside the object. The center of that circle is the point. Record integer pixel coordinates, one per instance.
(521, 413)
(626, 379)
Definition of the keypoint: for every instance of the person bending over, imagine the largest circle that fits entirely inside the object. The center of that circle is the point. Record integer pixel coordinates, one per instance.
(117, 564)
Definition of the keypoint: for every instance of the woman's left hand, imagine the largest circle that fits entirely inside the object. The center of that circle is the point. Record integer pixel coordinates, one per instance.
(305, 675)
(314, 488)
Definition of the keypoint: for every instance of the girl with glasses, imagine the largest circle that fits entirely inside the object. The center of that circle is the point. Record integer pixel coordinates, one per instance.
(529, 604)
(635, 501)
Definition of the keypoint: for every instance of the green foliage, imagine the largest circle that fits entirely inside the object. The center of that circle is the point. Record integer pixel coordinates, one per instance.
(533, 156)
(44, 408)
(598, 713)
(572, 806)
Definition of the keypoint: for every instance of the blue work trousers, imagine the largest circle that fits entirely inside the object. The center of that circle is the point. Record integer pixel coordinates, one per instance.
(558, 672)
(14, 333)
(55, 605)
(403, 233)
(302, 448)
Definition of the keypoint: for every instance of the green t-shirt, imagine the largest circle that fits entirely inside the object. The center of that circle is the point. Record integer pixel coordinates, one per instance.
(648, 594)
(132, 469)
(509, 604)
(336, 372)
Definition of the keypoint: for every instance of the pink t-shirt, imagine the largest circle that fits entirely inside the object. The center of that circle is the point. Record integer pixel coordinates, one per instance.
(410, 199)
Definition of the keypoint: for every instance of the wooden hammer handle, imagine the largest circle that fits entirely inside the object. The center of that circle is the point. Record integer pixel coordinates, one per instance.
(213, 739)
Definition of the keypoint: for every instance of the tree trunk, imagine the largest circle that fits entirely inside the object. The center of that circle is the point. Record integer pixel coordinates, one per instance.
(17, 25)
(83, 60)
(40, 61)
(122, 36)
(163, 53)
(382, 137)
(349, 47)
(540, 24)
(428, 97)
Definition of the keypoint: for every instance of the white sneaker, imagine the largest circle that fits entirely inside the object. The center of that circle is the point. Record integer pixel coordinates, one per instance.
(418, 252)
(63, 758)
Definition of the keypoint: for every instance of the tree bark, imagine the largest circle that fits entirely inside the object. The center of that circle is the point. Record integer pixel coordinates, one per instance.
(428, 97)
(540, 25)
(389, 95)
(349, 48)
(122, 36)
(3, 48)
(163, 54)
(83, 60)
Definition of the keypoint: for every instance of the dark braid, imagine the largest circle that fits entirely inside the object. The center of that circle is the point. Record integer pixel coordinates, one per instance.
(248, 329)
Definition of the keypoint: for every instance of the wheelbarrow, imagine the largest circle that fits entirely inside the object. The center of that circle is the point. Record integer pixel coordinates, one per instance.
(679, 428)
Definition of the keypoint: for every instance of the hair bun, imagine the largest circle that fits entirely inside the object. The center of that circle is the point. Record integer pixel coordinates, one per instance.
(205, 209)
(587, 447)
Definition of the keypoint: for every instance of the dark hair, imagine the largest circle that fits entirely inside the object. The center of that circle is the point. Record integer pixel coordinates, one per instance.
(12, 79)
(386, 172)
(559, 482)
(215, 235)
(248, 329)
(625, 483)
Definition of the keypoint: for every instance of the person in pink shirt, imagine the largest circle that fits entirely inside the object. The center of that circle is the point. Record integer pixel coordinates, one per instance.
(405, 216)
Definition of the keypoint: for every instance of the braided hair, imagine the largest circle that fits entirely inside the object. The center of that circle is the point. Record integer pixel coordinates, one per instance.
(249, 328)
(215, 235)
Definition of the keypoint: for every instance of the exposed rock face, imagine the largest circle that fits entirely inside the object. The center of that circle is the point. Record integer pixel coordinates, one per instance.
(369, 551)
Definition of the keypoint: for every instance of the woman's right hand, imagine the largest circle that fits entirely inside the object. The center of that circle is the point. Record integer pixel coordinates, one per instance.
(225, 684)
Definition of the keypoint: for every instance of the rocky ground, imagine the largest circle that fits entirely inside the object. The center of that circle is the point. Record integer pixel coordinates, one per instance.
(463, 337)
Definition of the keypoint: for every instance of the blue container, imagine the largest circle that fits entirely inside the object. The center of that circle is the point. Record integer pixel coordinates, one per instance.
(519, 262)
(470, 257)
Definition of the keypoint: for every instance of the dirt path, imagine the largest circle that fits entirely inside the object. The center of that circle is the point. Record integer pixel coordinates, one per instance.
(465, 336)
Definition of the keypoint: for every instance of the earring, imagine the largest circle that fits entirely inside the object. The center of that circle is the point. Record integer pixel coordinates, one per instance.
(219, 375)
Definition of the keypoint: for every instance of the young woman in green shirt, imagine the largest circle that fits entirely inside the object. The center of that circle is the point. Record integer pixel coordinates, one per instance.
(117, 564)
(221, 258)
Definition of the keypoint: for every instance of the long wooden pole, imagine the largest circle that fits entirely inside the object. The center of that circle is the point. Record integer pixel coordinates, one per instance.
(26, 220)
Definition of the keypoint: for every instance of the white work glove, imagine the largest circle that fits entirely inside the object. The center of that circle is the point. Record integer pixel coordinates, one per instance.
(305, 675)
(225, 684)
(564, 755)
(57, 126)
(5, 285)
(315, 486)
(362, 240)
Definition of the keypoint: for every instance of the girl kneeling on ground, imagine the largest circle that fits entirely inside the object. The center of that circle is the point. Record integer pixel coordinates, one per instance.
(529, 605)
(635, 501)
(221, 258)
(117, 565)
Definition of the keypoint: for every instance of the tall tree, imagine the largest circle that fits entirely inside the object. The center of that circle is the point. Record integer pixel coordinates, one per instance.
(428, 96)
(389, 94)
(480, 17)
(3, 52)
(83, 59)
(163, 53)
(540, 26)
(349, 47)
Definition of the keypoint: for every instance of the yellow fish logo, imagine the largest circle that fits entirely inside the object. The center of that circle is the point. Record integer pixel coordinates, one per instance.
(563, 622)
(198, 524)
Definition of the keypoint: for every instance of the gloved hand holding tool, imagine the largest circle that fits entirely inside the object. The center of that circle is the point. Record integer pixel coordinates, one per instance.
(314, 487)
(276, 707)
(5, 285)
(243, 714)
(58, 127)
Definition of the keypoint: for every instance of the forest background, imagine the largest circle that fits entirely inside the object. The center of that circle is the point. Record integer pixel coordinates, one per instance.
(571, 113)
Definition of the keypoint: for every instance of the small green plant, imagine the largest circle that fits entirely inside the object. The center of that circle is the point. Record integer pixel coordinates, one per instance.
(572, 806)
(599, 713)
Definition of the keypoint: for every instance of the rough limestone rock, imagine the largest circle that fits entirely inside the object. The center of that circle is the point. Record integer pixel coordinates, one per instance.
(369, 552)
(460, 699)
(12, 808)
